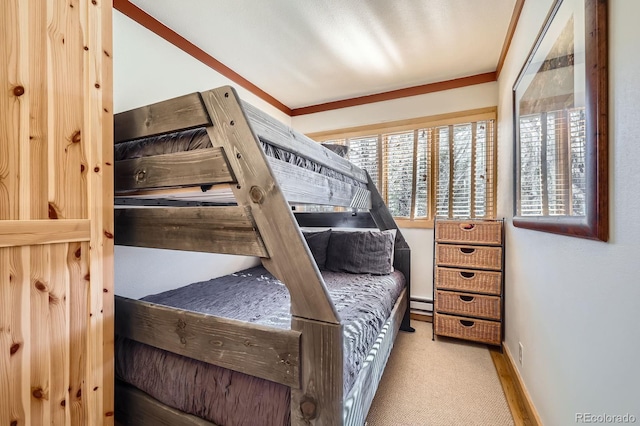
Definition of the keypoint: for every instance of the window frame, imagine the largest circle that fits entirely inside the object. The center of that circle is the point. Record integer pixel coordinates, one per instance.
(415, 124)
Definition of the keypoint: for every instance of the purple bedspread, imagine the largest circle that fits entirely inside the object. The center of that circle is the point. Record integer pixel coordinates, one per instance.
(364, 303)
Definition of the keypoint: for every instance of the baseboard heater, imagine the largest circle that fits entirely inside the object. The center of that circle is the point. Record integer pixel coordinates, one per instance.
(421, 305)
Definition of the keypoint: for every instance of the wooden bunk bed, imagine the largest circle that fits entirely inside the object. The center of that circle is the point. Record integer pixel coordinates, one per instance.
(232, 198)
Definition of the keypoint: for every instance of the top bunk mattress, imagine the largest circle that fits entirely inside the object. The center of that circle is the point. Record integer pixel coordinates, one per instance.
(364, 303)
(194, 139)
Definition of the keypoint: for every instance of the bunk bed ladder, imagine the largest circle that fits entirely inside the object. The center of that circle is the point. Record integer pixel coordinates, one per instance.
(318, 400)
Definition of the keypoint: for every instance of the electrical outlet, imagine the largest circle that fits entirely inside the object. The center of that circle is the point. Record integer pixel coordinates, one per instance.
(520, 350)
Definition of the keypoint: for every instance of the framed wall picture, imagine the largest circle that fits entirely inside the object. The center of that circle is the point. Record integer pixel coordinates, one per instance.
(560, 125)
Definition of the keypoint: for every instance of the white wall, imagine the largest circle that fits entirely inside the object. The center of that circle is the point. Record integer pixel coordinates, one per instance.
(573, 303)
(147, 69)
(478, 96)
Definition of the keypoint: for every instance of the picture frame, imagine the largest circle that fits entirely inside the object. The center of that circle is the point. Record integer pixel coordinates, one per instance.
(560, 104)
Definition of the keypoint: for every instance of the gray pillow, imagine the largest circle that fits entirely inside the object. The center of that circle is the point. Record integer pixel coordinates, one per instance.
(361, 252)
(318, 242)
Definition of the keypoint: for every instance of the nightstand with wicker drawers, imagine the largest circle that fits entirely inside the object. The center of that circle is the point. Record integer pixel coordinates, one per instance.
(468, 280)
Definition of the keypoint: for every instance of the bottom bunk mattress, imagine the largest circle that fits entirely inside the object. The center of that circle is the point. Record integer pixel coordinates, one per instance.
(225, 397)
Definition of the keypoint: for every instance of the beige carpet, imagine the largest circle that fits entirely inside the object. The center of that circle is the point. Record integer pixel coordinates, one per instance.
(446, 382)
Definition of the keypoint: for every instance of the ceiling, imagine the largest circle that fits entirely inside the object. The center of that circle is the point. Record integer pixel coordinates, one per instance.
(309, 52)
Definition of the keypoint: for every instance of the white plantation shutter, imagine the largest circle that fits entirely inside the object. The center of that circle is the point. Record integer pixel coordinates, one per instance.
(363, 152)
(423, 174)
(483, 168)
(465, 170)
(439, 170)
(397, 173)
(552, 157)
(444, 171)
(461, 202)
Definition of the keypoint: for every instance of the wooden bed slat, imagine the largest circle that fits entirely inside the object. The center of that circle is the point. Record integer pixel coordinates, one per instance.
(265, 352)
(199, 167)
(228, 230)
(184, 112)
(304, 186)
(282, 136)
(134, 407)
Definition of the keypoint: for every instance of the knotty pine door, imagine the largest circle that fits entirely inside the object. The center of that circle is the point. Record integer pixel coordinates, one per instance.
(56, 213)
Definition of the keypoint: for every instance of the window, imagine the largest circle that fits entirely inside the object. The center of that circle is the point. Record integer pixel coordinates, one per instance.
(430, 167)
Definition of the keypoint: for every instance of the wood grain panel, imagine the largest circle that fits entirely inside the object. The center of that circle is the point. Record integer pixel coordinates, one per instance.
(198, 167)
(39, 285)
(68, 166)
(78, 270)
(172, 115)
(10, 104)
(6, 342)
(56, 115)
(101, 213)
(266, 352)
(15, 345)
(206, 229)
(32, 232)
(291, 260)
(319, 400)
(34, 140)
(57, 285)
(304, 186)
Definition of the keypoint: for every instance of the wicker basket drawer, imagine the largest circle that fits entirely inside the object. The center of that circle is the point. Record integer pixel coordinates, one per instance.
(469, 256)
(472, 329)
(476, 232)
(475, 305)
(469, 280)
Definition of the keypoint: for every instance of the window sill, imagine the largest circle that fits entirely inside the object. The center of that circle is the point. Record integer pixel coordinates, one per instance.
(420, 223)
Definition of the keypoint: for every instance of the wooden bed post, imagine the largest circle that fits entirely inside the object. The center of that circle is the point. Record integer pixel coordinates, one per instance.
(319, 398)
